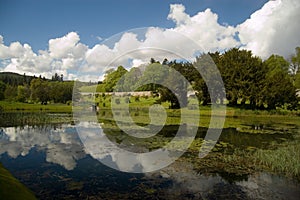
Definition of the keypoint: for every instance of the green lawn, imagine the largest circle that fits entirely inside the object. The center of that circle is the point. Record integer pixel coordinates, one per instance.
(142, 104)
(27, 107)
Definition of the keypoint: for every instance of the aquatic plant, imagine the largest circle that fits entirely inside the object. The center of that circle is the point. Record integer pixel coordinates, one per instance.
(285, 160)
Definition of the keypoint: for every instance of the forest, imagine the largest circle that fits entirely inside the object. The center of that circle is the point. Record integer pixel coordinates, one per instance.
(32, 89)
(249, 82)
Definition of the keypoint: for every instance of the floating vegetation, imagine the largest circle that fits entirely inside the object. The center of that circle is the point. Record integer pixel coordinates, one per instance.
(240, 162)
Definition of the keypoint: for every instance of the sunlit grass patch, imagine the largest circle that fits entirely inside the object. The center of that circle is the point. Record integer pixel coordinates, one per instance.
(34, 107)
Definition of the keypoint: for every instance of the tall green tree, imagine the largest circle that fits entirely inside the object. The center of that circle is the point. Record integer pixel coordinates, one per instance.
(243, 75)
(278, 88)
(209, 85)
(56, 77)
(277, 63)
(129, 80)
(61, 92)
(112, 77)
(296, 79)
(154, 74)
(68, 91)
(23, 93)
(10, 92)
(40, 90)
(174, 90)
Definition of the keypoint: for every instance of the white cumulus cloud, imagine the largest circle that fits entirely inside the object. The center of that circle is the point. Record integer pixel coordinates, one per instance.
(177, 14)
(15, 49)
(274, 29)
(62, 47)
(204, 29)
(65, 53)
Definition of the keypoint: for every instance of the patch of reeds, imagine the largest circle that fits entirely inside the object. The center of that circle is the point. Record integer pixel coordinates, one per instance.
(36, 118)
(285, 160)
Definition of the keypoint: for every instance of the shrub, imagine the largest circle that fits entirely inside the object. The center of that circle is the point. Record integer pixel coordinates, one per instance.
(136, 98)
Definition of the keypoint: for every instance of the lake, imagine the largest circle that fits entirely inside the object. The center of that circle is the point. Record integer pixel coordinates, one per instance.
(53, 160)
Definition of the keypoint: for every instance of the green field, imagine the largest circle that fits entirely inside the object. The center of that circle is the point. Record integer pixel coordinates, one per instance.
(7, 106)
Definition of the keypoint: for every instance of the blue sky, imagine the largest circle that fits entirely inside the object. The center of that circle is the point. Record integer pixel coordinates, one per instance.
(35, 22)
(58, 36)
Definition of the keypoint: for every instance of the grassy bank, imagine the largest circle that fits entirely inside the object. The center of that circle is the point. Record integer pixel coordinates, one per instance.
(11, 188)
(7, 106)
(139, 111)
(140, 103)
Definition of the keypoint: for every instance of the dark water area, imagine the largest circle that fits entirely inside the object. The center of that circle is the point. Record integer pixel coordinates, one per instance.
(53, 162)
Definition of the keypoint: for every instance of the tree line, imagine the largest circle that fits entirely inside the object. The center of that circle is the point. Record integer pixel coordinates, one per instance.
(22, 88)
(249, 81)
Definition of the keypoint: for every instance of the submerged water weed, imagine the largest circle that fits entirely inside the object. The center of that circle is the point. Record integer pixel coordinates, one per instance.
(238, 162)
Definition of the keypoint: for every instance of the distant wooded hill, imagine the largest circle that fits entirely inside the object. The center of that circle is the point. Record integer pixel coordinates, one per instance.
(15, 79)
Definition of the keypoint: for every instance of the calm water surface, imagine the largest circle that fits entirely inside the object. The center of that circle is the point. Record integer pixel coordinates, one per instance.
(52, 161)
